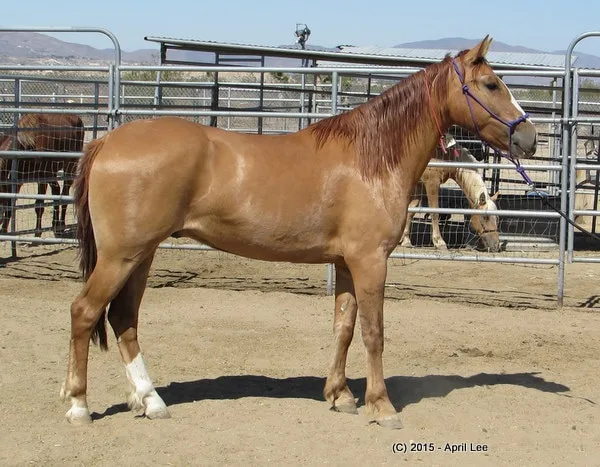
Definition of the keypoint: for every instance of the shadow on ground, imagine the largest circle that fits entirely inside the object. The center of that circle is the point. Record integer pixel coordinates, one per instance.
(403, 390)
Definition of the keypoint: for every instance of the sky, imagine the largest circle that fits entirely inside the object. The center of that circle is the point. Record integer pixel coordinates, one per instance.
(547, 25)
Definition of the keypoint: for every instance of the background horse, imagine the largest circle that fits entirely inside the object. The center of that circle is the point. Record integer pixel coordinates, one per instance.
(334, 192)
(42, 132)
(473, 186)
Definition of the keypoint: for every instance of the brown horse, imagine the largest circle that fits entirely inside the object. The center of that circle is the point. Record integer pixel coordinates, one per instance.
(473, 186)
(42, 132)
(335, 192)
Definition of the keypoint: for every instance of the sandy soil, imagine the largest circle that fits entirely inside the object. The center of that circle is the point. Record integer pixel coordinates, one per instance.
(475, 353)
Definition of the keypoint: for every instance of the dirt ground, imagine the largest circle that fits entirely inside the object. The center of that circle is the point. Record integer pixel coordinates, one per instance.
(239, 350)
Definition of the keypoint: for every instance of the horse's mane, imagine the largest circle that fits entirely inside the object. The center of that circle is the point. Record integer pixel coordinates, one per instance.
(383, 128)
(29, 125)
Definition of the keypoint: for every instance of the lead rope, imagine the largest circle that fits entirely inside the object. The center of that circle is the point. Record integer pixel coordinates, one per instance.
(442, 141)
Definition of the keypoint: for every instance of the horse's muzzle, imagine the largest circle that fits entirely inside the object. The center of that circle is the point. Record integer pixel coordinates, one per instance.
(524, 140)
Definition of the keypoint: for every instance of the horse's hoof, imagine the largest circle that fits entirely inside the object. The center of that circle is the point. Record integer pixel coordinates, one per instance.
(392, 422)
(79, 416)
(157, 412)
(346, 407)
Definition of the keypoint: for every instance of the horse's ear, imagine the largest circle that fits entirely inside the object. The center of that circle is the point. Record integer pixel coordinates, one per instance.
(482, 199)
(479, 51)
(494, 197)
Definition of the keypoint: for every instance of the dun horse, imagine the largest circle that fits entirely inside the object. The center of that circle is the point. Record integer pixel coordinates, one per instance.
(334, 192)
(473, 186)
(42, 132)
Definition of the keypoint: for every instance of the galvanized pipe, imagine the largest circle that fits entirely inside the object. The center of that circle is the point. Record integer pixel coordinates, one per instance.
(572, 167)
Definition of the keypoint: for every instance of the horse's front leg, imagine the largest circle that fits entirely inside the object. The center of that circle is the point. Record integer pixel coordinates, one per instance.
(336, 388)
(433, 200)
(369, 273)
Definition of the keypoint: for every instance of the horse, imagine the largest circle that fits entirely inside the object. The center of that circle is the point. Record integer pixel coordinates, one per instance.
(586, 186)
(335, 192)
(42, 132)
(473, 186)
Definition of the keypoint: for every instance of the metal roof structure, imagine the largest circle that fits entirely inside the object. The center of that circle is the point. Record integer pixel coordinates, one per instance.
(351, 55)
(516, 59)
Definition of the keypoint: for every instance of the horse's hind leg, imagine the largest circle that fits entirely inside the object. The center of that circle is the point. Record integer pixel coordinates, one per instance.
(56, 226)
(107, 279)
(405, 239)
(63, 208)
(39, 209)
(336, 388)
(123, 317)
(5, 218)
(433, 199)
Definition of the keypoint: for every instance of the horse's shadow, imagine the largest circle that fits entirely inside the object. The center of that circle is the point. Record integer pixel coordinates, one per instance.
(403, 390)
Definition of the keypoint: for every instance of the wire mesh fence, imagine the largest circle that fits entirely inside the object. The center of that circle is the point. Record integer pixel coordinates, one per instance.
(476, 196)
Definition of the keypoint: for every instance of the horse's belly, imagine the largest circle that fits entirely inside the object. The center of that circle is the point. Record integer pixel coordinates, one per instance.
(259, 240)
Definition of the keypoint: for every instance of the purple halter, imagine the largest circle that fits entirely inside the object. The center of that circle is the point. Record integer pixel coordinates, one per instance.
(511, 125)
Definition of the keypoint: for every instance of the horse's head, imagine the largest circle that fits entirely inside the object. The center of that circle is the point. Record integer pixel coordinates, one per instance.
(486, 225)
(479, 101)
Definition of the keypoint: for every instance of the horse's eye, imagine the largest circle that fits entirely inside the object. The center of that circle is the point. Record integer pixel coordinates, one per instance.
(492, 86)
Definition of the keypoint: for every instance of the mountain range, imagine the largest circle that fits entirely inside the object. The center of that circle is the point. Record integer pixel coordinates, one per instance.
(36, 48)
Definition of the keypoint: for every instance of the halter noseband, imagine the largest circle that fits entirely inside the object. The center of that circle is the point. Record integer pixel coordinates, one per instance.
(511, 125)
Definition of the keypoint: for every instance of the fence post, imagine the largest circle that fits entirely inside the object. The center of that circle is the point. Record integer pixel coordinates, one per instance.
(566, 133)
(14, 173)
(334, 111)
(572, 165)
(111, 97)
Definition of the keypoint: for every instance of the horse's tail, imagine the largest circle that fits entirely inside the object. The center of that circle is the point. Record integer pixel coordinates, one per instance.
(85, 231)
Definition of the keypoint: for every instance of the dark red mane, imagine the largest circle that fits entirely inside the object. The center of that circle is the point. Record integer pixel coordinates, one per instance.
(382, 129)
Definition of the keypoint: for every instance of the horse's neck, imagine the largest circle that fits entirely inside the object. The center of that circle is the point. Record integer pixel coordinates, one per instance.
(471, 182)
(402, 125)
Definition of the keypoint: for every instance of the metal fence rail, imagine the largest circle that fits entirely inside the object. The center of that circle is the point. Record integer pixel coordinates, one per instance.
(110, 95)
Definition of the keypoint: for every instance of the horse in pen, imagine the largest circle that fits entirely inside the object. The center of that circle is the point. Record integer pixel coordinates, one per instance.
(472, 185)
(43, 133)
(334, 192)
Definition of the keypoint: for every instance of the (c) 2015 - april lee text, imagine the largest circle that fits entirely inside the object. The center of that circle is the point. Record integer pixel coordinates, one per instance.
(414, 446)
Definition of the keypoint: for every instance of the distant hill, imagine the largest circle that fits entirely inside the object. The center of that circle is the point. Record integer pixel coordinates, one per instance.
(460, 43)
(36, 48)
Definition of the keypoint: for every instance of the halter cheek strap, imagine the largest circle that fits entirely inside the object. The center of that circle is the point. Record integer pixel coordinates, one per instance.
(510, 124)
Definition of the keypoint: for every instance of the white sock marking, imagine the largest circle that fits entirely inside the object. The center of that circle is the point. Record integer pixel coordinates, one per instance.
(144, 395)
(138, 376)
